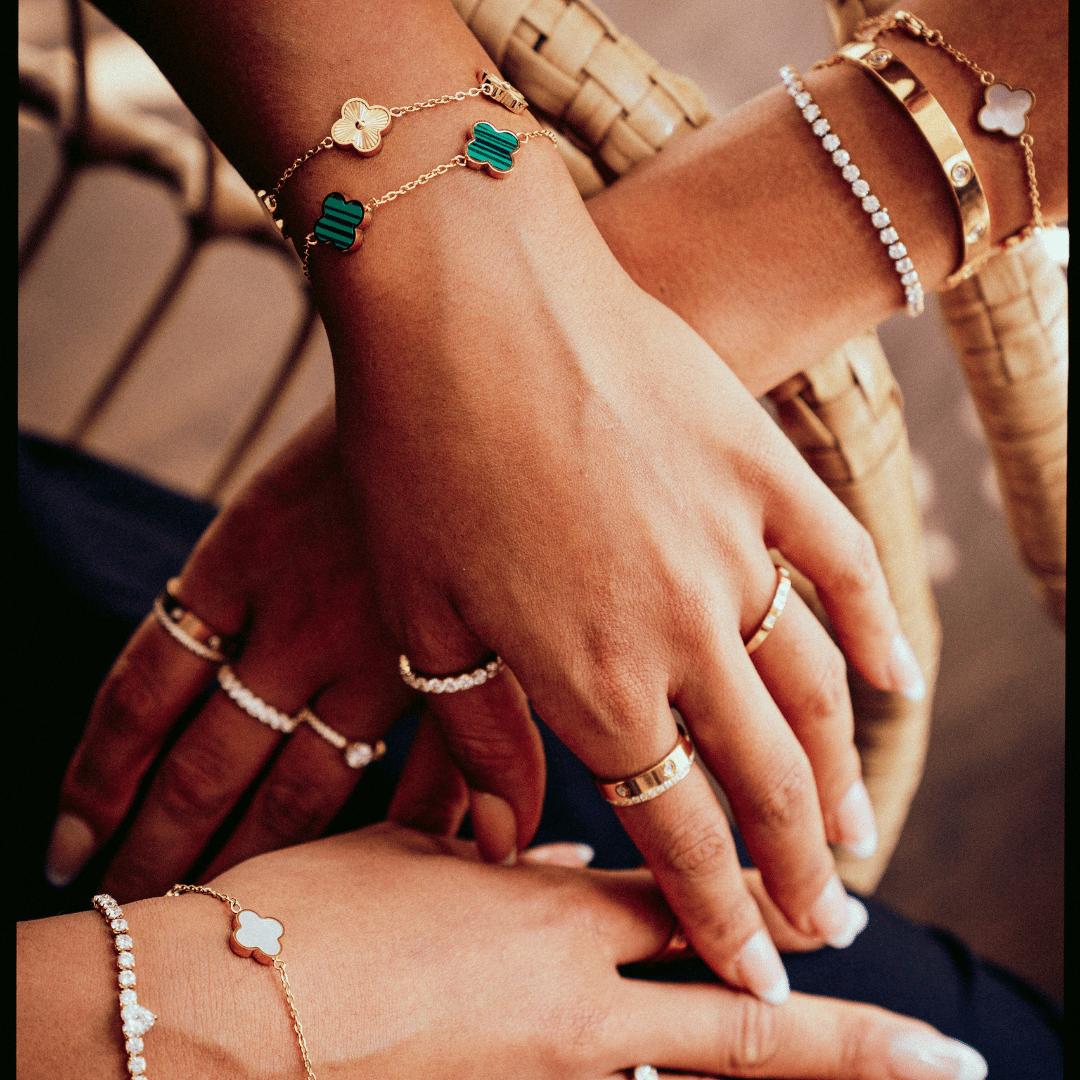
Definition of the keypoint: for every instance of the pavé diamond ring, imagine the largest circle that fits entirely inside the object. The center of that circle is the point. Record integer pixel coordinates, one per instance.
(252, 704)
(653, 781)
(780, 597)
(450, 684)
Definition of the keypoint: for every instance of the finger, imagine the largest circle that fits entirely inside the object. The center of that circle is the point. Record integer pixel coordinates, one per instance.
(806, 676)
(148, 688)
(491, 736)
(311, 778)
(201, 778)
(744, 740)
(821, 537)
(715, 1030)
(431, 794)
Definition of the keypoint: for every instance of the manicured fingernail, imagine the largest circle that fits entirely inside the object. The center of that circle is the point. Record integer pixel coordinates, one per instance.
(926, 1055)
(70, 849)
(857, 918)
(762, 970)
(560, 854)
(830, 914)
(905, 670)
(856, 822)
(494, 827)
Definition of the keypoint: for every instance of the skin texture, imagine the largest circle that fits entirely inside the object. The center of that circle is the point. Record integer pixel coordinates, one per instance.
(455, 969)
(548, 464)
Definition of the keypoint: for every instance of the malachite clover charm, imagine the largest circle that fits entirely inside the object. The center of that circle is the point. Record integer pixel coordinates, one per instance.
(361, 126)
(491, 149)
(1006, 110)
(341, 222)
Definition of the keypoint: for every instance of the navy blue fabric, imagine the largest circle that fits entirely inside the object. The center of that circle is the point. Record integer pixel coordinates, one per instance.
(96, 544)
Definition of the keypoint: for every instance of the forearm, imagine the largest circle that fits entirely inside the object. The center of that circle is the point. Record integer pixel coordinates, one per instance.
(746, 229)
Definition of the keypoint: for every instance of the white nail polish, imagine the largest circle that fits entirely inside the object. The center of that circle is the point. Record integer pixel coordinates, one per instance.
(926, 1055)
(510, 859)
(906, 669)
(70, 849)
(762, 970)
(856, 822)
(857, 918)
(865, 847)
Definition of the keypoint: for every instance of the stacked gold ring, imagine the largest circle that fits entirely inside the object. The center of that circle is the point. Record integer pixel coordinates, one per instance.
(187, 628)
(780, 599)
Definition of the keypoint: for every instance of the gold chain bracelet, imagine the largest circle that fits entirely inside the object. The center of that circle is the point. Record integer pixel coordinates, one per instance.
(1005, 110)
(258, 938)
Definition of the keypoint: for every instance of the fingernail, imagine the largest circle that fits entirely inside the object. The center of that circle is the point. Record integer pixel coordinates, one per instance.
(926, 1055)
(70, 849)
(905, 670)
(762, 971)
(857, 918)
(494, 827)
(560, 854)
(856, 821)
(831, 914)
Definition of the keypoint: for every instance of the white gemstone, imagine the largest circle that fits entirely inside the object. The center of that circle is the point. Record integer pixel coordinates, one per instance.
(870, 204)
(357, 755)
(111, 913)
(134, 1045)
(841, 157)
(802, 99)
(127, 978)
(136, 1065)
(127, 997)
(914, 292)
(889, 235)
(904, 265)
(118, 926)
(138, 1019)
(910, 277)
(881, 219)
(820, 127)
(787, 72)
(860, 188)
(830, 142)
(897, 251)
(811, 112)
(850, 173)
(123, 942)
(125, 960)
(793, 87)
(622, 790)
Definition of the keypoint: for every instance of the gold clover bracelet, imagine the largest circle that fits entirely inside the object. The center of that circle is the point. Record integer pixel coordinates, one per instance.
(363, 125)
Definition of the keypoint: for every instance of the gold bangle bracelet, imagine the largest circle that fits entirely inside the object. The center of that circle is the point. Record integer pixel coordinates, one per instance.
(945, 142)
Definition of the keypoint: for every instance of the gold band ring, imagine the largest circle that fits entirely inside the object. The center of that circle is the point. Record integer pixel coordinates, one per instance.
(449, 684)
(357, 754)
(780, 598)
(187, 628)
(653, 781)
(252, 704)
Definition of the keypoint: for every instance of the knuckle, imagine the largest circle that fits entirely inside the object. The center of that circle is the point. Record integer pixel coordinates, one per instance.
(697, 848)
(196, 784)
(783, 803)
(754, 1037)
(131, 695)
(855, 1037)
(289, 808)
(829, 698)
(859, 570)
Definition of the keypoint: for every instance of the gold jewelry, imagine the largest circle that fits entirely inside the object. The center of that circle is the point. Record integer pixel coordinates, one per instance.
(343, 220)
(135, 1019)
(879, 216)
(780, 598)
(449, 684)
(252, 704)
(187, 628)
(260, 939)
(1004, 109)
(653, 781)
(678, 947)
(362, 126)
(357, 754)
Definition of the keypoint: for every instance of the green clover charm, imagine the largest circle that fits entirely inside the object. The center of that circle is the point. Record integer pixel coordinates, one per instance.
(491, 149)
(340, 222)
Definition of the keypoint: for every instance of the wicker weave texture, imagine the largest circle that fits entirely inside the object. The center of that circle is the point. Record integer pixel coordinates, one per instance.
(1010, 325)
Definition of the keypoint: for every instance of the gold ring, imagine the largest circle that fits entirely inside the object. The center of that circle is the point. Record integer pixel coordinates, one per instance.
(449, 684)
(653, 781)
(187, 628)
(783, 587)
(357, 754)
(252, 704)
(678, 947)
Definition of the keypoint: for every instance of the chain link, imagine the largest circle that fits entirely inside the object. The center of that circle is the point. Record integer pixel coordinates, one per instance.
(234, 905)
(412, 185)
(461, 95)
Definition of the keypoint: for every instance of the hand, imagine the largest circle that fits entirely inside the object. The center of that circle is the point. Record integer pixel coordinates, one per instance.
(408, 957)
(279, 565)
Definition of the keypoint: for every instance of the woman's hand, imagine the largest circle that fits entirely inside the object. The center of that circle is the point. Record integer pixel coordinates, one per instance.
(408, 957)
(281, 566)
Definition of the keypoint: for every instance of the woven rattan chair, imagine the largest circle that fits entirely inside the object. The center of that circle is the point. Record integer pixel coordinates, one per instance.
(616, 106)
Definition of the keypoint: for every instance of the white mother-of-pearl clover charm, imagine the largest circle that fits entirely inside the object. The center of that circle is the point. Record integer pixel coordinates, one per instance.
(256, 937)
(1006, 110)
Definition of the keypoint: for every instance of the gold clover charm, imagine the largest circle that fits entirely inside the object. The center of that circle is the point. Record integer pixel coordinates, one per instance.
(362, 126)
(1006, 110)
